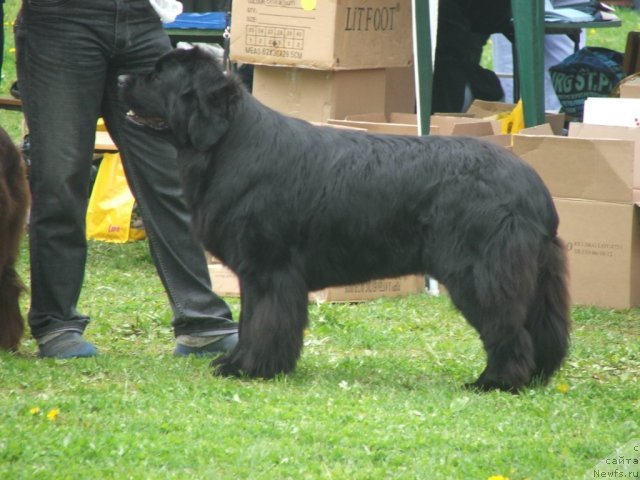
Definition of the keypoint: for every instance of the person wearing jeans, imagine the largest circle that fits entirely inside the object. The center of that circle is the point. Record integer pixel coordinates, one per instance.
(69, 56)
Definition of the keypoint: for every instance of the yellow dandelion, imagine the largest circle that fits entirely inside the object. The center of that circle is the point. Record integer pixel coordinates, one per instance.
(53, 414)
(34, 410)
(497, 477)
(563, 388)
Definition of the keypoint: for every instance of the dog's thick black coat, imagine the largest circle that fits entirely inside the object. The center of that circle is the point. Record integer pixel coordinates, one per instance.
(14, 203)
(291, 207)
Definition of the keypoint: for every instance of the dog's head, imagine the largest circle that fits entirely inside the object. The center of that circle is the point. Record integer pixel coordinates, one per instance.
(187, 94)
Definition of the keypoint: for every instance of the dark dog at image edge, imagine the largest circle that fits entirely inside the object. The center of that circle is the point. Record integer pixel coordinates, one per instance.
(291, 207)
(14, 203)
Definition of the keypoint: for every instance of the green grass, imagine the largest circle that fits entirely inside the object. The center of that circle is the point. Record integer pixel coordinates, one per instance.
(613, 38)
(10, 121)
(376, 394)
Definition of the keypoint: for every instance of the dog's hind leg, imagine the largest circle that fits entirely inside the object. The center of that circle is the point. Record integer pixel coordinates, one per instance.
(495, 294)
(507, 343)
(272, 326)
(510, 360)
(11, 322)
(548, 320)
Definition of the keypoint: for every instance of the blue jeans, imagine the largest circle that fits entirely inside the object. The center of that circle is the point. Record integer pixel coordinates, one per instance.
(69, 56)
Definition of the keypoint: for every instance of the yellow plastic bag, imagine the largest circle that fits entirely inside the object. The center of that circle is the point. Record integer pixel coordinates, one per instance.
(514, 121)
(111, 205)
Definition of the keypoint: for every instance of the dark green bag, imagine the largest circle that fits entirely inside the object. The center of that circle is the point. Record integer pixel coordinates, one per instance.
(590, 72)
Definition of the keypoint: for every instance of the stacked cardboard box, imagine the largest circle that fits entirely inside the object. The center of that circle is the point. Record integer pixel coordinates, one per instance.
(630, 88)
(225, 283)
(594, 176)
(407, 124)
(318, 60)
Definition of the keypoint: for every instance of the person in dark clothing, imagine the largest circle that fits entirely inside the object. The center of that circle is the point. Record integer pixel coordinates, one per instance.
(69, 57)
(463, 29)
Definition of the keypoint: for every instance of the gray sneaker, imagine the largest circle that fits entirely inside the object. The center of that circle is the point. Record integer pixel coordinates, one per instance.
(195, 345)
(67, 345)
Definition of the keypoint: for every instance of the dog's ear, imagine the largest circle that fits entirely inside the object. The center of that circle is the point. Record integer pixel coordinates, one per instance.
(208, 122)
(205, 101)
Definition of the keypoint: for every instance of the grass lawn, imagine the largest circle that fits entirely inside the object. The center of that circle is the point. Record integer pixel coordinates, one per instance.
(377, 393)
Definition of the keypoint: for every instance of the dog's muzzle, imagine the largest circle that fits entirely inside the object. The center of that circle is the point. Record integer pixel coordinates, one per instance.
(155, 123)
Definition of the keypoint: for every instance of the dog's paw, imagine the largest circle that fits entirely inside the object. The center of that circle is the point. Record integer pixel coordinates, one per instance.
(225, 367)
(488, 386)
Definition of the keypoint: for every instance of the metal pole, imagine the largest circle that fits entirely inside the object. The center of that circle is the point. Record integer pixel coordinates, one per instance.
(528, 24)
(422, 63)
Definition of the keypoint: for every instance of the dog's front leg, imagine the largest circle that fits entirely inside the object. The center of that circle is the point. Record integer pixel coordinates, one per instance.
(230, 364)
(272, 322)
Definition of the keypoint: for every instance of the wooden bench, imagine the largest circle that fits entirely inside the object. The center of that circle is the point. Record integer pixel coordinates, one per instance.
(104, 143)
(10, 103)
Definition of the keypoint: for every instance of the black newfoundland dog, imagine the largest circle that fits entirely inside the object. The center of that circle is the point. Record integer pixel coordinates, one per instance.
(14, 203)
(291, 207)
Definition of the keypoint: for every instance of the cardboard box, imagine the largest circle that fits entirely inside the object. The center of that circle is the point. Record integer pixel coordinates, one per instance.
(504, 140)
(621, 112)
(593, 169)
(487, 109)
(543, 129)
(630, 88)
(400, 92)
(593, 175)
(603, 243)
(225, 283)
(321, 34)
(318, 95)
(392, 123)
(406, 124)
(362, 292)
(210, 258)
(467, 126)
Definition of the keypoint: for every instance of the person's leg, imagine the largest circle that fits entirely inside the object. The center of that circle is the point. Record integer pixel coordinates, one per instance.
(503, 63)
(152, 172)
(556, 49)
(61, 67)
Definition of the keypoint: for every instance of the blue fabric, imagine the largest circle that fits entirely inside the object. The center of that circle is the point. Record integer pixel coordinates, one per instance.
(205, 21)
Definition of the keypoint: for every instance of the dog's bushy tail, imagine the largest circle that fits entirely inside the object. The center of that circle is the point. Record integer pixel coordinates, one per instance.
(548, 319)
(11, 322)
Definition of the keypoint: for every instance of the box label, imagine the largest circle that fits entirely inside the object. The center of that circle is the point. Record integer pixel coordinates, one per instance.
(366, 19)
(594, 249)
